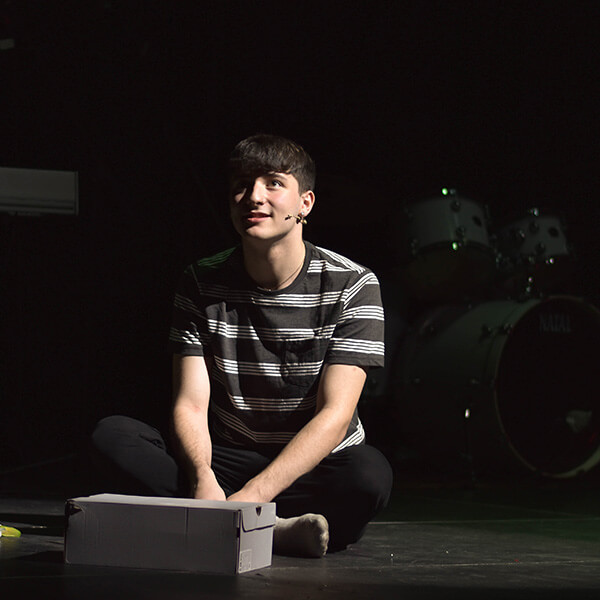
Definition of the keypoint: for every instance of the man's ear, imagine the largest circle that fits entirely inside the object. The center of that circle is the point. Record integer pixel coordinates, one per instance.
(308, 201)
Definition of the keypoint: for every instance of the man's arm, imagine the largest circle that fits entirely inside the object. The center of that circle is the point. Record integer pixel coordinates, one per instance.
(191, 389)
(339, 391)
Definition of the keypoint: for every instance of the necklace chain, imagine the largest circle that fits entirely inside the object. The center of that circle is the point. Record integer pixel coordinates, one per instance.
(279, 285)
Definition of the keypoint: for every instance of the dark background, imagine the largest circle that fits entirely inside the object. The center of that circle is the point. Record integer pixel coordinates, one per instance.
(145, 99)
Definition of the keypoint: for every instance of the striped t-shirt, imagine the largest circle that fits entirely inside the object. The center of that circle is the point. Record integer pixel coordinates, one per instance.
(268, 348)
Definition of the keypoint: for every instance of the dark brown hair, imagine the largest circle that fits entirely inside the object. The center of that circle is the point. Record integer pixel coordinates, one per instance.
(265, 153)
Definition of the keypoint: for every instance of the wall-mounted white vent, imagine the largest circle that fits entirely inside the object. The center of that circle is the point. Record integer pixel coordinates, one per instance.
(38, 192)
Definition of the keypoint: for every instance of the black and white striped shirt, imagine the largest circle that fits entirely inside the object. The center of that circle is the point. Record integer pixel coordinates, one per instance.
(269, 347)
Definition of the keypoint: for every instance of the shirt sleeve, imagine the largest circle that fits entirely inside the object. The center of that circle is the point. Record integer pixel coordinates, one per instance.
(188, 334)
(358, 338)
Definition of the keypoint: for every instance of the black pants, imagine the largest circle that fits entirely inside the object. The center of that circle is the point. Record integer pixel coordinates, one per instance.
(349, 487)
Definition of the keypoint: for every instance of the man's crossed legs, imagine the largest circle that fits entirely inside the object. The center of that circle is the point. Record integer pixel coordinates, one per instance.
(327, 508)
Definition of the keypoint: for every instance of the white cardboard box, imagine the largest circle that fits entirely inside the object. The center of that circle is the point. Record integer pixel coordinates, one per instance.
(169, 533)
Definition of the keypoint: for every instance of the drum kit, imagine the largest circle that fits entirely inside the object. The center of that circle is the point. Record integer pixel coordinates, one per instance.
(450, 251)
(491, 376)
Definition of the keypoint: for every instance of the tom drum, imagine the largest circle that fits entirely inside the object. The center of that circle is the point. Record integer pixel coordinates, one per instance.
(534, 252)
(446, 251)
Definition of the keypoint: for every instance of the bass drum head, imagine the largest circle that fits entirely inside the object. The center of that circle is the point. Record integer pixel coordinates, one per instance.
(504, 386)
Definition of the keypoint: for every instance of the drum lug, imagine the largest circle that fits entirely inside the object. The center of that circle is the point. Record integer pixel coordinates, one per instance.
(455, 205)
(534, 227)
(431, 329)
(540, 248)
(519, 236)
(461, 232)
(503, 262)
(506, 328)
(414, 246)
(487, 214)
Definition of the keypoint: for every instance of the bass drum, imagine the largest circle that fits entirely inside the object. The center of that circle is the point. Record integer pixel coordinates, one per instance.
(446, 253)
(503, 386)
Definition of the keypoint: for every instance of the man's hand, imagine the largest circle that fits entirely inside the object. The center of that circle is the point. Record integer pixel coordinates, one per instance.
(244, 495)
(207, 487)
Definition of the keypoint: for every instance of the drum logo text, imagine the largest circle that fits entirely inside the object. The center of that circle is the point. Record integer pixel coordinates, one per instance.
(555, 323)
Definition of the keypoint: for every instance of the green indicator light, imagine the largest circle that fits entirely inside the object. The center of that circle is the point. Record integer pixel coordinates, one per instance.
(455, 245)
(445, 191)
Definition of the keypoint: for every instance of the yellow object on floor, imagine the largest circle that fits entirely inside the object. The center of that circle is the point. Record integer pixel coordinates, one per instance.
(6, 531)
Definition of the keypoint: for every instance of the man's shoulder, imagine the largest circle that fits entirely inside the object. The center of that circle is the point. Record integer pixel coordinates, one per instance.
(335, 262)
(210, 265)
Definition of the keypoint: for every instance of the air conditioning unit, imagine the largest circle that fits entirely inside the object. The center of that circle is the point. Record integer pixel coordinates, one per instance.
(38, 192)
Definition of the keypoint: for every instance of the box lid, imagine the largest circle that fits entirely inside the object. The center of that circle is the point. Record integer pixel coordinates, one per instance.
(252, 515)
(257, 516)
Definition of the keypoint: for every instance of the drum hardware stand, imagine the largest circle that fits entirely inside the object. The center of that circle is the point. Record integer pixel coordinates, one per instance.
(468, 456)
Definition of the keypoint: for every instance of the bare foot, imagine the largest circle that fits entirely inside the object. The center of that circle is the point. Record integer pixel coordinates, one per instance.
(306, 535)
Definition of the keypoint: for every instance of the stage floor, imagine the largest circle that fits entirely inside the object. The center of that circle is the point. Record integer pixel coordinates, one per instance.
(516, 538)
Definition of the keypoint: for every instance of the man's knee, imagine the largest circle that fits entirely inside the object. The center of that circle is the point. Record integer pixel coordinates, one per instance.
(371, 478)
(111, 431)
(360, 489)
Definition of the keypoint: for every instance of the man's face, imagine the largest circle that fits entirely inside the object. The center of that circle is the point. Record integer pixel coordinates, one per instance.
(261, 205)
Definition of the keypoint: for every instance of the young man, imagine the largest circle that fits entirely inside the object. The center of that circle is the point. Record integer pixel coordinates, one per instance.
(271, 343)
